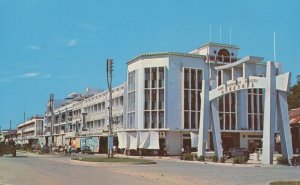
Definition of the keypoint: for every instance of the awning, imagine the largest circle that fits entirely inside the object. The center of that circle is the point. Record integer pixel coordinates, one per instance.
(134, 140)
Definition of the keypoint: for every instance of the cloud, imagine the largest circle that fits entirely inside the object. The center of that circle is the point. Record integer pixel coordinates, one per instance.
(71, 42)
(32, 47)
(30, 75)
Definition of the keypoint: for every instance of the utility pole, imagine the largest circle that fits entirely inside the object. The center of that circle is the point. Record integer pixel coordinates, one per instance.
(9, 124)
(51, 108)
(109, 70)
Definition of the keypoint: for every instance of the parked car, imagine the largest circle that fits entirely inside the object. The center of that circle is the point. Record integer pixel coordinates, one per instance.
(235, 152)
(7, 148)
(86, 150)
(45, 149)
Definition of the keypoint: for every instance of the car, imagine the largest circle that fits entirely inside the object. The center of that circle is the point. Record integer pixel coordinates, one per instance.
(45, 149)
(86, 150)
(236, 152)
(7, 148)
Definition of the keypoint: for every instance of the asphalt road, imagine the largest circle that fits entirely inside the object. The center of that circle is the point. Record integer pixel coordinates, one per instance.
(31, 169)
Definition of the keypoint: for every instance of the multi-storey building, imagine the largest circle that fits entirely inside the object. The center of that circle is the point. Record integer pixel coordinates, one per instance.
(164, 96)
(84, 117)
(29, 132)
(159, 107)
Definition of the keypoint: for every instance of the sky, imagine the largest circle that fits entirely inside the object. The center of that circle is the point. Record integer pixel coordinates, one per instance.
(61, 46)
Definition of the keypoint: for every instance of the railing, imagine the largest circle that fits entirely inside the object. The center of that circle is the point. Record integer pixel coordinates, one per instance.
(222, 58)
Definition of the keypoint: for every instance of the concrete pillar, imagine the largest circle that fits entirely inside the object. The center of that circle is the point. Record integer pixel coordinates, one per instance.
(216, 128)
(269, 115)
(204, 119)
(242, 109)
(284, 126)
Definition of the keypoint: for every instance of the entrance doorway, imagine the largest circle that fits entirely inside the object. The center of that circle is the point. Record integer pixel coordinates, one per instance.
(103, 145)
(230, 140)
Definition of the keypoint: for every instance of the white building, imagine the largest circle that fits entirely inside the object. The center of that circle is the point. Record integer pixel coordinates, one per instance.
(164, 95)
(163, 102)
(83, 117)
(30, 131)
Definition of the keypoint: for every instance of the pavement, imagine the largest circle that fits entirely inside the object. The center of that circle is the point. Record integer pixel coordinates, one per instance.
(252, 162)
(34, 169)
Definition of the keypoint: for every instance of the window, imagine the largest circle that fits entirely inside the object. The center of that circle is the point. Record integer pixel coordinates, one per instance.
(255, 109)
(147, 77)
(154, 77)
(227, 111)
(161, 99)
(131, 100)
(147, 119)
(154, 120)
(154, 99)
(191, 97)
(147, 100)
(161, 77)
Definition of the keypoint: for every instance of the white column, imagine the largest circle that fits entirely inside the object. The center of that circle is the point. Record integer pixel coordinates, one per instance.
(204, 119)
(284, 126)
(216, 128)
(283, 123)
(269, 115)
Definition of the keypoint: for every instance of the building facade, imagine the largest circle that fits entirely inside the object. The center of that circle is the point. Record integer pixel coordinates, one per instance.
(83, 119)
(164, 95)
(160, 105)
(29, 132)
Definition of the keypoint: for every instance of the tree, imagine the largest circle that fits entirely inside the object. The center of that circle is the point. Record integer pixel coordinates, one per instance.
(294, 96)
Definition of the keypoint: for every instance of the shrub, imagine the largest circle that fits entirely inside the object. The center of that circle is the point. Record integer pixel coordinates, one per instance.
(201, 158)
(194, 156)
(209, 158)
(222, 160)
(240, 160)
(280, 160)
(215, 159)
(186, 156)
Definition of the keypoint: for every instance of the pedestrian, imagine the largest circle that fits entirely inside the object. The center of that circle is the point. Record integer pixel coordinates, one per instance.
(66, 149)
(114, 149)
(182, 149)
(69, 149)
(165, 151)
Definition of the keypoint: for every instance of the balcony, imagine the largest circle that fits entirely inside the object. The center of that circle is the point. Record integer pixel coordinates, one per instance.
(218, 58)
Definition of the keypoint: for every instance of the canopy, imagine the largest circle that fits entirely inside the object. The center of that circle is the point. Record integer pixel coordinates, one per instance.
(134, 140)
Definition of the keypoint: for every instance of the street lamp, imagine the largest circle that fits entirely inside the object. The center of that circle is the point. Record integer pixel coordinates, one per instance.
(109, 70)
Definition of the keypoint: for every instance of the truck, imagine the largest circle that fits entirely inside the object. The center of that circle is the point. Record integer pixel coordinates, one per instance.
(8, 148)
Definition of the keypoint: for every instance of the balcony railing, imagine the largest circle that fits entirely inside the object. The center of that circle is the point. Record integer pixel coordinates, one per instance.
(217, 58)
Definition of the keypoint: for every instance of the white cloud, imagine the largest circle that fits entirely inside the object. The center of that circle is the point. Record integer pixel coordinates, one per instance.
(71, 42)
(30, 75)
(34, 47)
(24, 76)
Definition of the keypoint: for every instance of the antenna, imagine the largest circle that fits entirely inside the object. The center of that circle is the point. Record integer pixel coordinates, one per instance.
(210, 33)
(229, 35)
(274, 43)
(220, 33)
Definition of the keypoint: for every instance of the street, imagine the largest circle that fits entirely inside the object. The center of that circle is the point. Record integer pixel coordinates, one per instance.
(32, 169)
